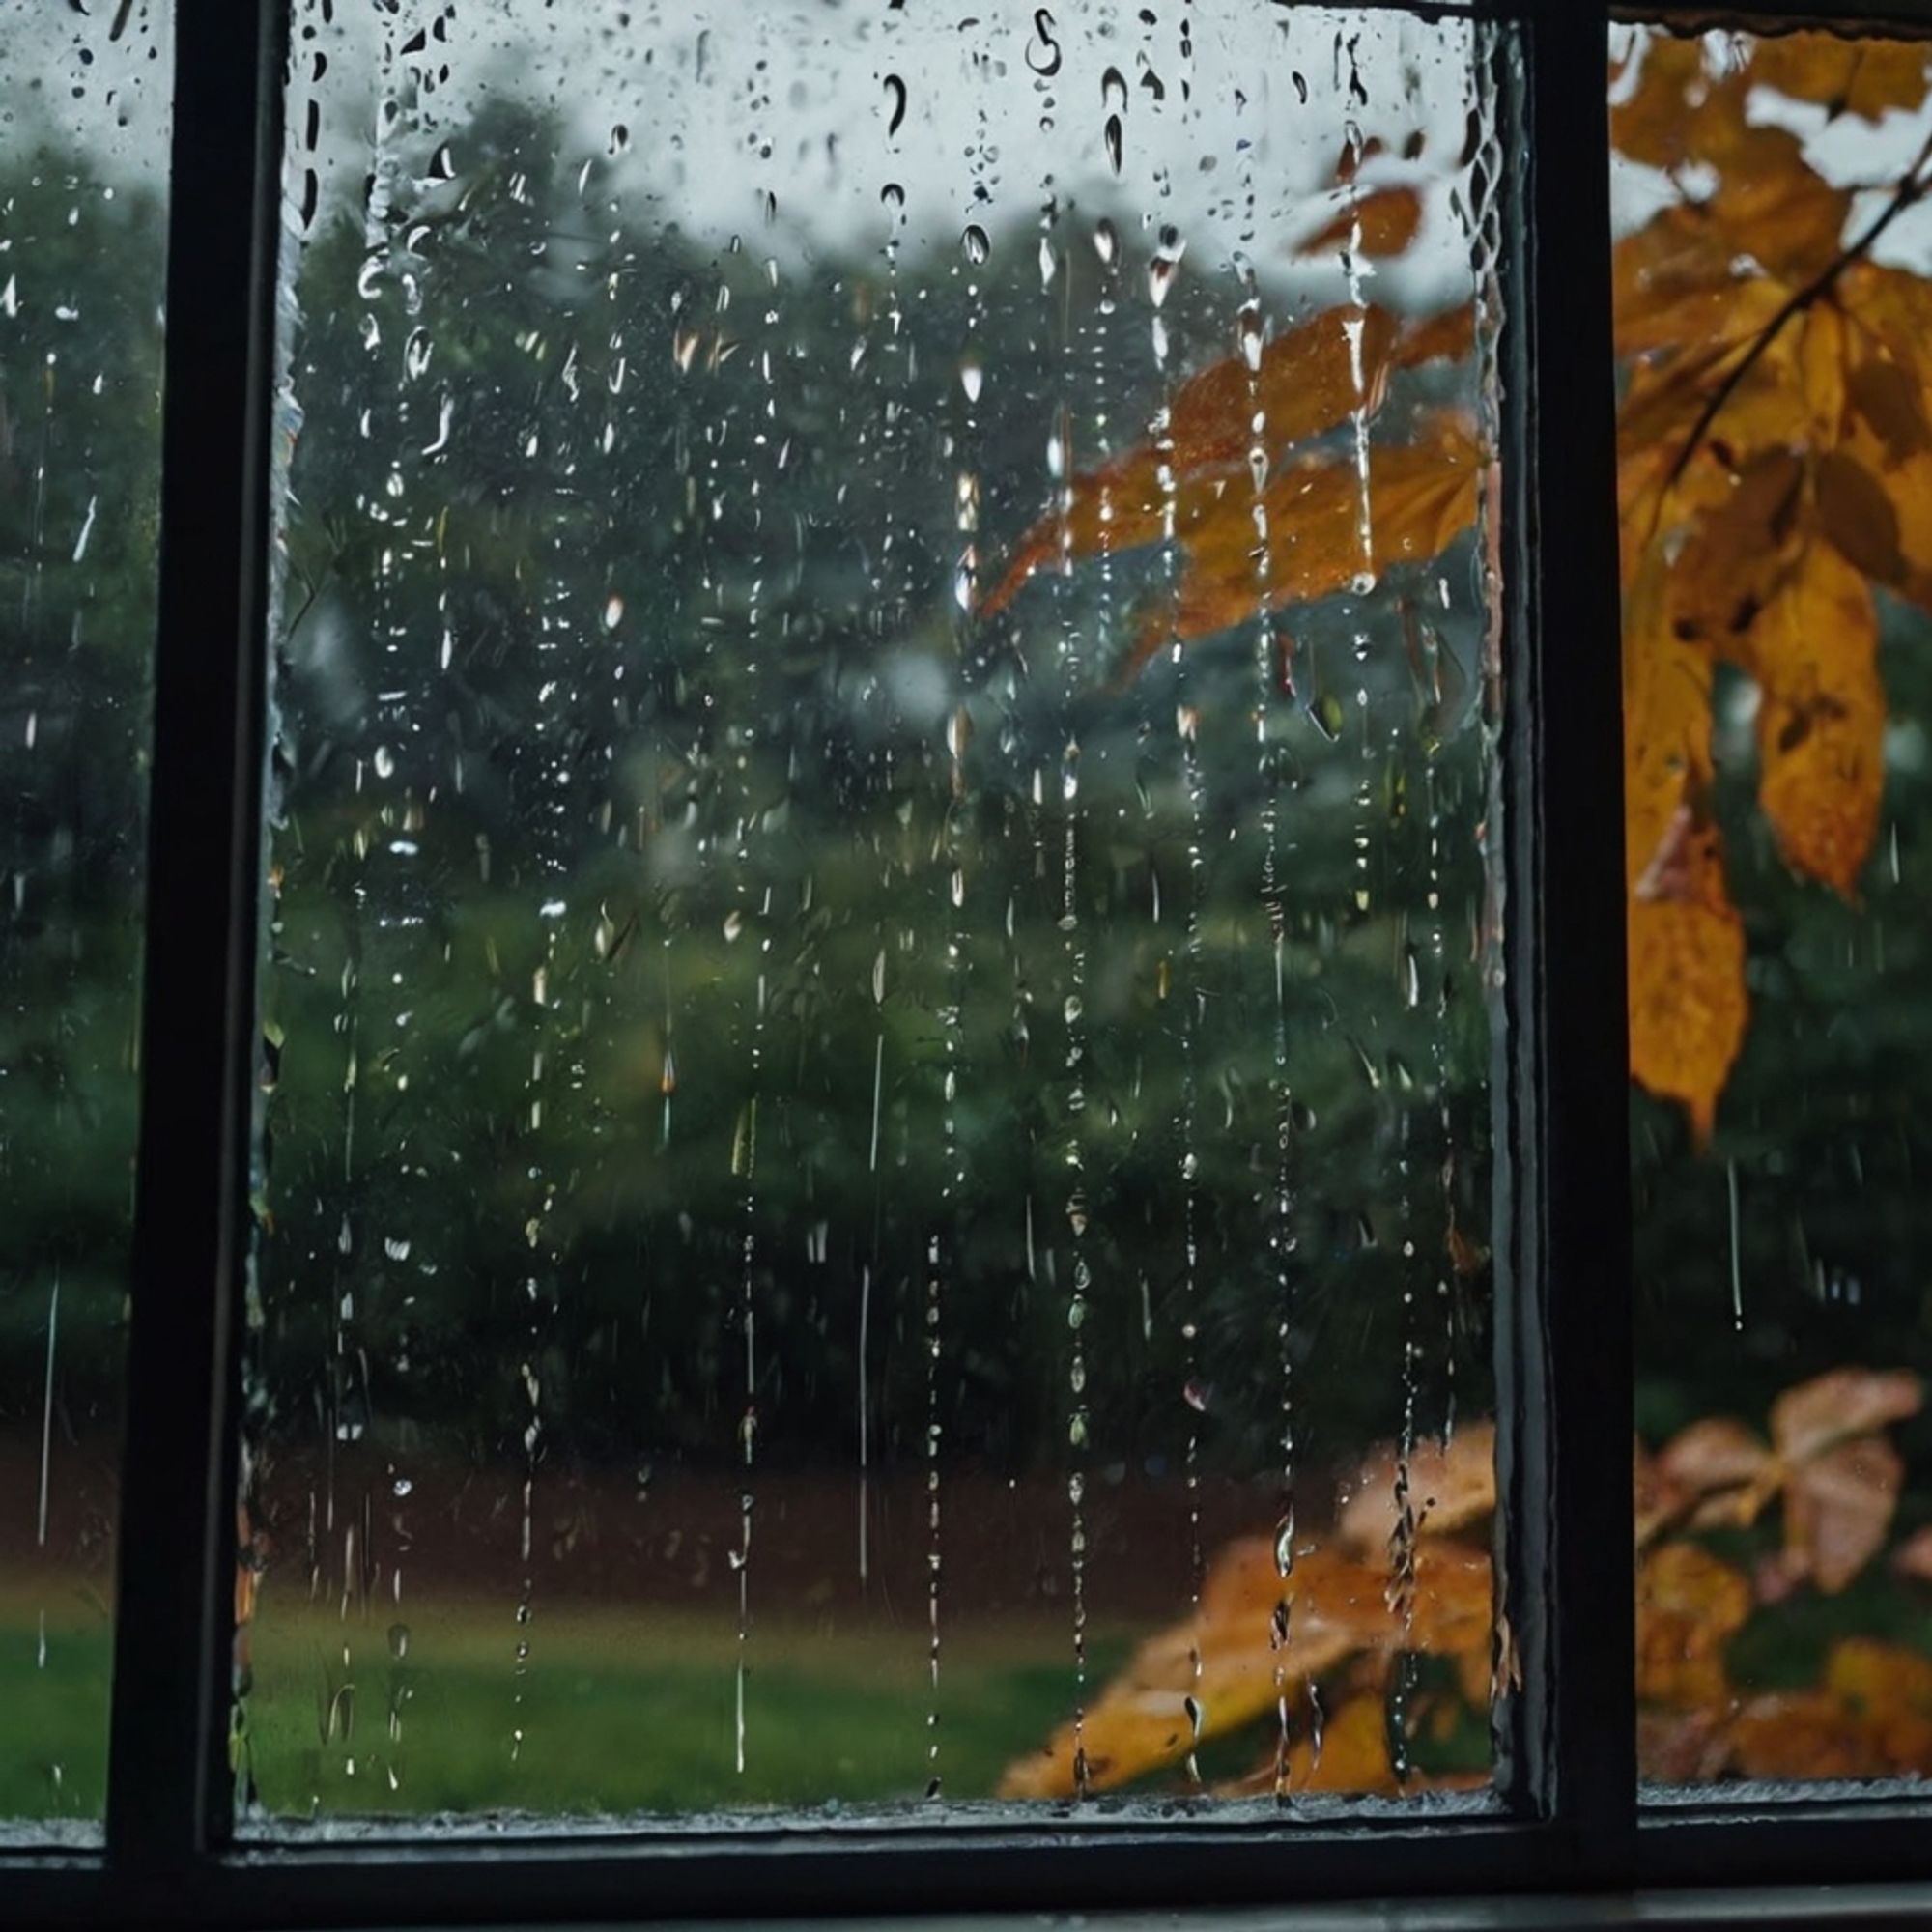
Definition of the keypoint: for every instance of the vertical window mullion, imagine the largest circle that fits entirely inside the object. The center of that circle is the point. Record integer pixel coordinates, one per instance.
(1567, 1366)
(168, 1778)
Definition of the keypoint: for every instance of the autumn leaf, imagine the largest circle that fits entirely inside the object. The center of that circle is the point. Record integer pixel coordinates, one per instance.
(1832, 1407)
(1813, 650)
(1256, 1638)
(1192, 476)
(1800, 1734)
(1839, 1478)
(1305, 382)
(1848, 76)
(1773, 465)
(1889, 1688)
(1775, 462)
(1690, 1606)
(1913, 1557)
(1378, 224)
(1686, 940)
(1450, 1487)
(1321, 526)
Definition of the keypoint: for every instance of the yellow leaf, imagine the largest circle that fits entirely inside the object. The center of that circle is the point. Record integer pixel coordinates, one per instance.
(1689, 1605)
(1738, 554)
(1687, 1004)
(1813, 650)
(1800, 1734)
(1257, 1636)
(1849, 76)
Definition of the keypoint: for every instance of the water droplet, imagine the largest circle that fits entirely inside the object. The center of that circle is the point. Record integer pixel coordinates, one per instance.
(1106, 241)
(1252, 333)
(1114, 142)
(972, 375)
(614, 611)
(896, 92)
(399, 1641)
(1195, 1393)
(975, 244)
(1048, 262)
(892, 195)
(1042, 54)
(734, 923)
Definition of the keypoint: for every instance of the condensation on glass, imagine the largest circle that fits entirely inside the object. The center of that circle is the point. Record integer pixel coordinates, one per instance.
(1774, 307)
(874, 1179)
(83, 163)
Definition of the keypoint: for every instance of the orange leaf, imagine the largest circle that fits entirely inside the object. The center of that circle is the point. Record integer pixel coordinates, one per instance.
(1446, 337)
(1379, 224)
(1420, 497)
(1311, 378)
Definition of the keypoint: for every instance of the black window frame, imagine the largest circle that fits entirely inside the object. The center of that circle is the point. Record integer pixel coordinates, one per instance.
(1572, 1821)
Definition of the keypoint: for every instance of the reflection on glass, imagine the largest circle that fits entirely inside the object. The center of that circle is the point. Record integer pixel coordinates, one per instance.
(875, 1174)
(83, 153)
(1774, 290)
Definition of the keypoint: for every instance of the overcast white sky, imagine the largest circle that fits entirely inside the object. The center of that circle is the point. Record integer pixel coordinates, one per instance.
(702, 89)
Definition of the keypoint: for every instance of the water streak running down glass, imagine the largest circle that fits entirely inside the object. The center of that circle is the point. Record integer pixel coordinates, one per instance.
(1773, 302)
(83, 164)
(874, 1182)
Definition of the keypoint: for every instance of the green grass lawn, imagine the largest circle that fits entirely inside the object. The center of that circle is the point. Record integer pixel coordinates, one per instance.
(634, 1711)
(53, 1710)
(620, 1711)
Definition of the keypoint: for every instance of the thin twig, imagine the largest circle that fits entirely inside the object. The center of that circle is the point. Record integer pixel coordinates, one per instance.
(1909, 191)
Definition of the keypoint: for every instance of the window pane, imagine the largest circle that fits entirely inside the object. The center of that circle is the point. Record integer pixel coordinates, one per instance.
(877, 1175)
(1773, 277)
(83, 155)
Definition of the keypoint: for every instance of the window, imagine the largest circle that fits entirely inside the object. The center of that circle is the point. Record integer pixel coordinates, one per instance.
(882, 1103)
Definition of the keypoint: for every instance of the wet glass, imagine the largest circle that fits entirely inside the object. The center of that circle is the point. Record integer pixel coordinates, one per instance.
(875, 1167)
(1774, 291)
(83, 163)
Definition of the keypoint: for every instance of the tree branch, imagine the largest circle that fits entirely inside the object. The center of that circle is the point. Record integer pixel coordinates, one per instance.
(1910, 190)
